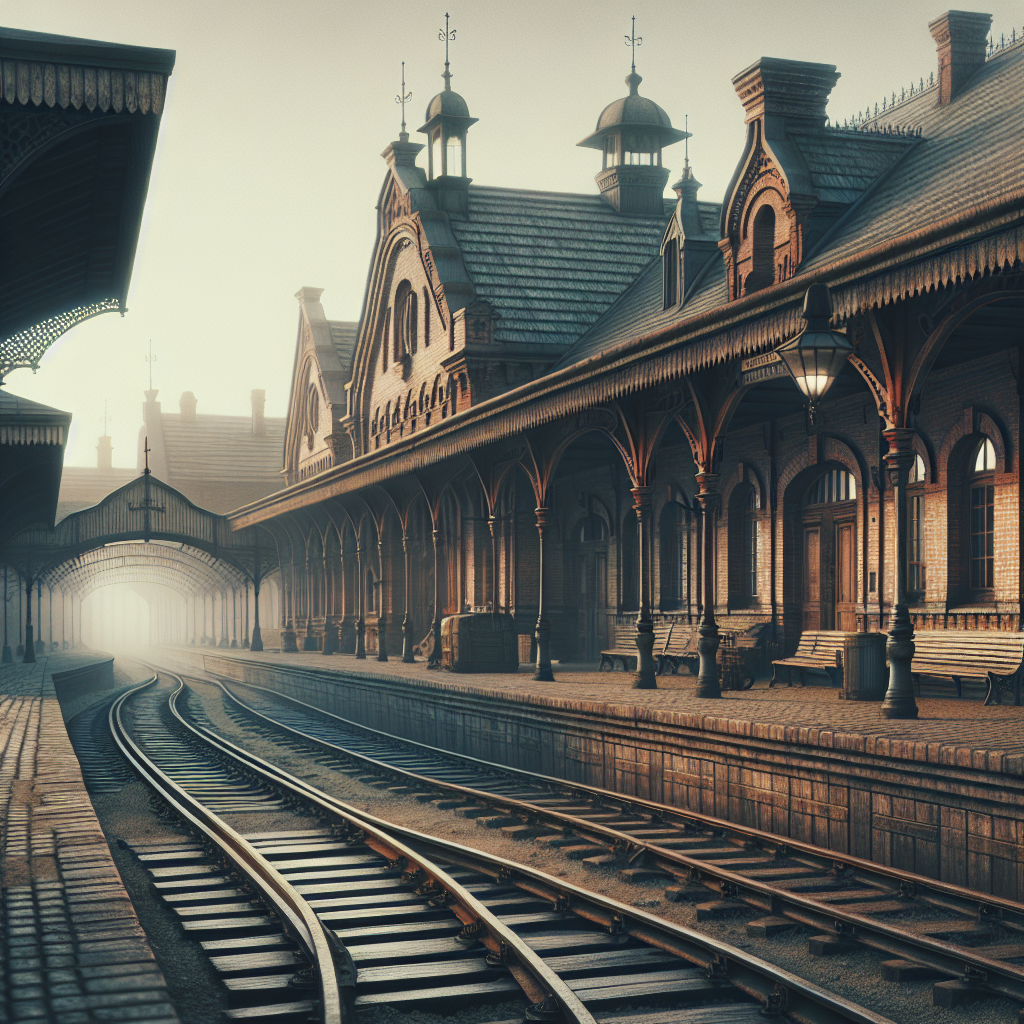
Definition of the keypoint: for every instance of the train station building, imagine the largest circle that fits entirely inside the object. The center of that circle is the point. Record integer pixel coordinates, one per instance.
(615, 412)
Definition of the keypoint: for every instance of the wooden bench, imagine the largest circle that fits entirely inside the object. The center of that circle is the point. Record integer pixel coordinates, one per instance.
(960, 654)
(818, 651)
(624, 647)
(680, 649)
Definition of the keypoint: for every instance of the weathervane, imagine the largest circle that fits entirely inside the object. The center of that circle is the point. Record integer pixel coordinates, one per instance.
(633, 41)
(150, 359)
(147, 506)
(401, 99)
(147, 450)
(446, 36)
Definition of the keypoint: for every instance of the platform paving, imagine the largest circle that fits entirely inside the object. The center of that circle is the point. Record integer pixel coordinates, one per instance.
(71, 947)
(953, 732)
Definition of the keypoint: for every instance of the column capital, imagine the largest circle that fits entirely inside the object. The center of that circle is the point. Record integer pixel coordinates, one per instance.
(641, 498)
(901, 454)
(542, 515)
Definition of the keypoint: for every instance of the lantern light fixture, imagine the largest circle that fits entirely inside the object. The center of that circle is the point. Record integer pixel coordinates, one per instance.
(817, 354)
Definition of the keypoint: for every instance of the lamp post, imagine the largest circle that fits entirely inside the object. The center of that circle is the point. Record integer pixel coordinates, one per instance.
(816, 355)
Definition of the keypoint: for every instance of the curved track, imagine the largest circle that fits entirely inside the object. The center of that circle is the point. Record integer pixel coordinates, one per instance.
(973, 942)
(424, 921)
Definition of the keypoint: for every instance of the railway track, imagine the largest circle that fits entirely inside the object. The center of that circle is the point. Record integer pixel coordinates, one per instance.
(972, 944)
(338, 914)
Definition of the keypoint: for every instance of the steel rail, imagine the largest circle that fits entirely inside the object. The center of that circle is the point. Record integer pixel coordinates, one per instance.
(316, 941)
(538, 981)
(777, 989)
(948, 958)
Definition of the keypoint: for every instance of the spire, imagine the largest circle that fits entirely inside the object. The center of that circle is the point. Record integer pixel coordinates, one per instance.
(447, 37)
(401, 99)
(633, 41)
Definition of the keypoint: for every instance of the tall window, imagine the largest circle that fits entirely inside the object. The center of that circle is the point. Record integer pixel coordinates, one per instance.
(454, 155)
(915, 529)
(670, 273)
(435, 154)
(983, 518)
(762, 271)
(750, 526)
(744, 514)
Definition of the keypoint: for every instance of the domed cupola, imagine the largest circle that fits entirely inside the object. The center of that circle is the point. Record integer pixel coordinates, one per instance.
(631, 133)
(447, 122)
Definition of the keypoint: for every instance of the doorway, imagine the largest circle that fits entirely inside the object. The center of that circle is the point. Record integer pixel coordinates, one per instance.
(829, 553)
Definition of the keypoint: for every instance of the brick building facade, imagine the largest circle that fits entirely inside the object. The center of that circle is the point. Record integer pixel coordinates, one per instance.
(572, 408)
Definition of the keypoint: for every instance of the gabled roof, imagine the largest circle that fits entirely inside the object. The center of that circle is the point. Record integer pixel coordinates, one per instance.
(968, 155)
(223, 448)
(344, 334)
(551, 262)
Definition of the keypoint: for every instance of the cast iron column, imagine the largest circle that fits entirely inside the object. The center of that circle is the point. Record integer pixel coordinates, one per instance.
(644, 678)
(382, 650)
(543, 630)
(234, 618)
(330, 627)
(8, 657)
(707, 645)
(288, 640)
(407, 653)
(435, 655)
(899, 697)
(39, 613)
(256, 644)
(360, 603)
(30, 651)
(49, 591)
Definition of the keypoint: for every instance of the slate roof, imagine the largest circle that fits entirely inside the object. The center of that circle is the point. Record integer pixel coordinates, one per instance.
(344, 335)
(968, 154)
(223, 448)
(551, 262)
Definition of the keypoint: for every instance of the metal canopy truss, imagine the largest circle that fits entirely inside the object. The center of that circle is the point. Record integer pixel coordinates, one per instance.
(186, 570)
(145, 531)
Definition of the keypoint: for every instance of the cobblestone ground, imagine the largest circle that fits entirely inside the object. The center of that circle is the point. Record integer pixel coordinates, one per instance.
(71, 948)
(963, 732)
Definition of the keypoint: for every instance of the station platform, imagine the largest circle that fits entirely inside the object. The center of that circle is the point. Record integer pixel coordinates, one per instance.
(942, 795)
(71, 947)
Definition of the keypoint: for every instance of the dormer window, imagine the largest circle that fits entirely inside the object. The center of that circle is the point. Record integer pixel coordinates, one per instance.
(762, 271)
(609, 152)
(670, 274)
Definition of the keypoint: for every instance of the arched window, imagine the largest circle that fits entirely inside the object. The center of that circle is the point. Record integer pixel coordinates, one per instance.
(670, 274)
(591, 529)
(915, 530)
(835, 485)
(744, 527)
(762, 271)
(673, 555)
(405, 323)
(426, 318)
(983, 517)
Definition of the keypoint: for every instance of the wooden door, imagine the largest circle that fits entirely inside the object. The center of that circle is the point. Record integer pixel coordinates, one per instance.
(812, 578)
(846, 577)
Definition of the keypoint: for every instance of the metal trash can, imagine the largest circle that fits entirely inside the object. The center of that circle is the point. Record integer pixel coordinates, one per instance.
(865, 674)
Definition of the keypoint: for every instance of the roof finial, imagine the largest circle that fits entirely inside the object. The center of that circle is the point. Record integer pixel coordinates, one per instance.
(147, 450)
(402, 98)
(149, 359)
(448, 37)
(633, 41)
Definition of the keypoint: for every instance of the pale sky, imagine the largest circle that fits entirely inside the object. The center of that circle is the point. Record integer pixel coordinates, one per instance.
(268, 166)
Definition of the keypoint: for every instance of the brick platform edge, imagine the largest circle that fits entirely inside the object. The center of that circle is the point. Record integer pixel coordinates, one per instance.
(940, 809)
(73, 951)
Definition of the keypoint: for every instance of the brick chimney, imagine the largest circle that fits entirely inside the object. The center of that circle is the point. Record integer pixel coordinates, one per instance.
(104, 453)
(259, 400)
(961, 39)
(785, 93)
(187, 404)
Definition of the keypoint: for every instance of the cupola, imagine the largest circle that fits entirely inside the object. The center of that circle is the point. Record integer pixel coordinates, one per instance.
(446, 126)
(631, 133)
